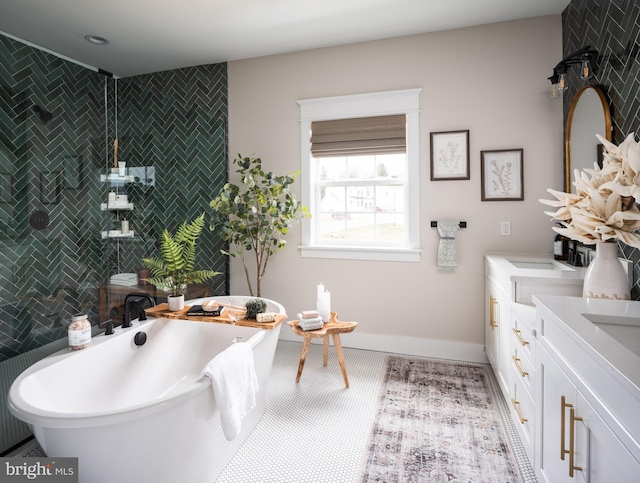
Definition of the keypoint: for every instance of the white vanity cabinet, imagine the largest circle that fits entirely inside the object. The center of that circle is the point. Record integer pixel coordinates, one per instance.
(587, 426)
(497, 332)
(513, 278)
(510, 336)
(576, 444)
(523, 374)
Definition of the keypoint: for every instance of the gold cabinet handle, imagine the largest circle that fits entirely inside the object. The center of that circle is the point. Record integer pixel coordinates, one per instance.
(516, 361)
(516, 406)
(572, 442)
(563, 407)
(492, 312)
(519, 337)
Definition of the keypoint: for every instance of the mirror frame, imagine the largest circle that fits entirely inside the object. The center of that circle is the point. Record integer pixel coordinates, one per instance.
(568, 178)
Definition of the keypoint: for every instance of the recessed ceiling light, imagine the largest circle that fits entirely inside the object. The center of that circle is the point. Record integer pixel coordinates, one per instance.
(96, 39)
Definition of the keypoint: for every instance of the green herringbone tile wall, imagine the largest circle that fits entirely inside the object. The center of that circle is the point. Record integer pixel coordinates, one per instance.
(50, 167)
(172, 131)
(175, 122)
(613, 28)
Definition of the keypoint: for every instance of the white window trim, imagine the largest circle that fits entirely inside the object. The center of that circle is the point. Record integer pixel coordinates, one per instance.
(361, 105)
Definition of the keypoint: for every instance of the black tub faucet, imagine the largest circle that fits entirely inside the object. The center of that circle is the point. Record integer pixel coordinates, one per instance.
(134, 305)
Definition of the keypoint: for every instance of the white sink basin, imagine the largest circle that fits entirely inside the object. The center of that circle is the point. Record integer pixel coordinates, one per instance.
(538, 264)
(625, 330)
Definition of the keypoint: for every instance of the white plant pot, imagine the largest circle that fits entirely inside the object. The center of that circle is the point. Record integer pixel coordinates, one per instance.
(175, 303)
(606, 278)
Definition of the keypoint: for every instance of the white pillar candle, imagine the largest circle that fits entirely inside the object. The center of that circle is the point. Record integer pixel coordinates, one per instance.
(320, 292)
(326, 315)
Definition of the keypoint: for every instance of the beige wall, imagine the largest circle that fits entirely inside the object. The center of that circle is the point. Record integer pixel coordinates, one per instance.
(489, 79)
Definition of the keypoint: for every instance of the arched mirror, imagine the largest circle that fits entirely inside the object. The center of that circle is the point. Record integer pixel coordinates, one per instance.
(588, 115)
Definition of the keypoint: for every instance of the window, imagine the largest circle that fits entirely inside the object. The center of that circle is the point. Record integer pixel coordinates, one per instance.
(359, 176)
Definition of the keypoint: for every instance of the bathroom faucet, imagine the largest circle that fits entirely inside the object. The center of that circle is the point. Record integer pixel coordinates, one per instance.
(108, 327)
(575, 257)
(134, 305)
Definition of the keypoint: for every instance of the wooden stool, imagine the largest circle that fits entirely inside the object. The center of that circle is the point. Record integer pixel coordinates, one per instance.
(332, 328)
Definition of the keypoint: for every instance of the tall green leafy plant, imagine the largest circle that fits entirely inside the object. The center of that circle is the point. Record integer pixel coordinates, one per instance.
(256, 215)
(174, 270)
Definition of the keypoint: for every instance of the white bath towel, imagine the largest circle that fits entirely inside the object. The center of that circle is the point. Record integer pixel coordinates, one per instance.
(447, 257)
(235, 384)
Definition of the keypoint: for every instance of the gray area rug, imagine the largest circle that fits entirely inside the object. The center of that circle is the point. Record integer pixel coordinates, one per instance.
(438, 422)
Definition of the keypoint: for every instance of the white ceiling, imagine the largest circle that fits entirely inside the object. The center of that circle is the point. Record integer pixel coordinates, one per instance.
(154, 35)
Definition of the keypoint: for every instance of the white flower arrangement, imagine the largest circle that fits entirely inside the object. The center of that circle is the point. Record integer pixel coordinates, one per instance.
(604, 205)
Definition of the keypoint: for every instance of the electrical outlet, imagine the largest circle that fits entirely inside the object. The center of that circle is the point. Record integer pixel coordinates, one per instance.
(505, 228)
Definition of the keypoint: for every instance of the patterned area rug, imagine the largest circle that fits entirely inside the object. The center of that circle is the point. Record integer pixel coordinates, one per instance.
(438, 422)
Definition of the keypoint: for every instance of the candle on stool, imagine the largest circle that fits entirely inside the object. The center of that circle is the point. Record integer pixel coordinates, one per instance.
(320, 299)
(326, 305)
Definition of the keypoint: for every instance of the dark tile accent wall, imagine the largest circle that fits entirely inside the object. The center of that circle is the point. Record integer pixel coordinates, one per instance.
(51, 168)
(172, 134)
(613, 28)
(175, 123)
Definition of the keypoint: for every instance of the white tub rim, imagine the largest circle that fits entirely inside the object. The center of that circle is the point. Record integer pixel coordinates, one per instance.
(27, 412)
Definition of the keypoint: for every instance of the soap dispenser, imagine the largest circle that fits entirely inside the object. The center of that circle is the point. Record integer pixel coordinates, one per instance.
(561, 247)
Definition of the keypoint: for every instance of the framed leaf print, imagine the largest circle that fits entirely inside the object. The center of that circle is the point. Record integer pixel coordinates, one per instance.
(502, 176)
(449, 155)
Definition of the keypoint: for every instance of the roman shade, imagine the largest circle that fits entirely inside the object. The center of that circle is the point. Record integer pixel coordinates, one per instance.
(359, 136)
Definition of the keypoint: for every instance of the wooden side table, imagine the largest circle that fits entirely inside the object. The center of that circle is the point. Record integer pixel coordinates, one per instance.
(332, 328)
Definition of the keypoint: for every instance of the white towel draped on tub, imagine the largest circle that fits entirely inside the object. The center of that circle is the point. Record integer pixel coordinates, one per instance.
(447, 257)
(235, 384)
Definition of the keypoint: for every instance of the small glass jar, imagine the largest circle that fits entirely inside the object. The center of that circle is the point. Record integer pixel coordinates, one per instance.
(79, 332)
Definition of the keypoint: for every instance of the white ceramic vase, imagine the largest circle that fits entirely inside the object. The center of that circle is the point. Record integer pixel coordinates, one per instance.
(175, 303)
(606, 278)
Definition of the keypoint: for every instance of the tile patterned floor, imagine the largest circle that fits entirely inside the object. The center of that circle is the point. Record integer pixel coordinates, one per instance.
(317, 431)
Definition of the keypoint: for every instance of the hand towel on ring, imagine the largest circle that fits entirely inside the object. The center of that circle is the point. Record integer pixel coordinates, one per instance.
(447, 256)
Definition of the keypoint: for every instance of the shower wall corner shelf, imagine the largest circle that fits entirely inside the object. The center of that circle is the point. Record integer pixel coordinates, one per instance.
(116, 207)
(116, 177)
(117, 234)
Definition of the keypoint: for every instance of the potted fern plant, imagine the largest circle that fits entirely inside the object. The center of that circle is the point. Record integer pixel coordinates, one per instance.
(174, 270)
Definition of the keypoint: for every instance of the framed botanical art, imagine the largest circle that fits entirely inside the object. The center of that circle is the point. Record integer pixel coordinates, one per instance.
(449, 155)
(502, 176)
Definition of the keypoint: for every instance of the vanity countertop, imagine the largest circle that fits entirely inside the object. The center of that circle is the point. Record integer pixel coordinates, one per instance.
(608, 329)
(536, 266)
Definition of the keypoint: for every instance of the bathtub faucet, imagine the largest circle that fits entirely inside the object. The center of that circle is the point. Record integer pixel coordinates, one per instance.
(134, 305)
(108, 326)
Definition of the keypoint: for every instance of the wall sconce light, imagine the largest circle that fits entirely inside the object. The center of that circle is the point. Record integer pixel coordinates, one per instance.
(586, 57)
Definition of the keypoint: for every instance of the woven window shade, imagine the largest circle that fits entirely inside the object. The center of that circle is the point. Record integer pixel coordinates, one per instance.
(359, 136)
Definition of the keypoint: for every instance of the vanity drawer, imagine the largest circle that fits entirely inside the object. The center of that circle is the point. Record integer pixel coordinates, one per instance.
(524, 367)
(522, 323)
(522, 410)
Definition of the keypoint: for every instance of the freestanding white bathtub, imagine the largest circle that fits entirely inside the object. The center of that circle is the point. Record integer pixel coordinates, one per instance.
(140, 414)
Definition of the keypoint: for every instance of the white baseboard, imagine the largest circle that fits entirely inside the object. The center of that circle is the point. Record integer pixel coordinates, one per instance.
(441, 349)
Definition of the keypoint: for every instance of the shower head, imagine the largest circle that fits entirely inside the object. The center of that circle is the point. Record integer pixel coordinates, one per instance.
(45, 116)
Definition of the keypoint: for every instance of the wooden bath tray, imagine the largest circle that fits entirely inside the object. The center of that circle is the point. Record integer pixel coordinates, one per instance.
(162, 310)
